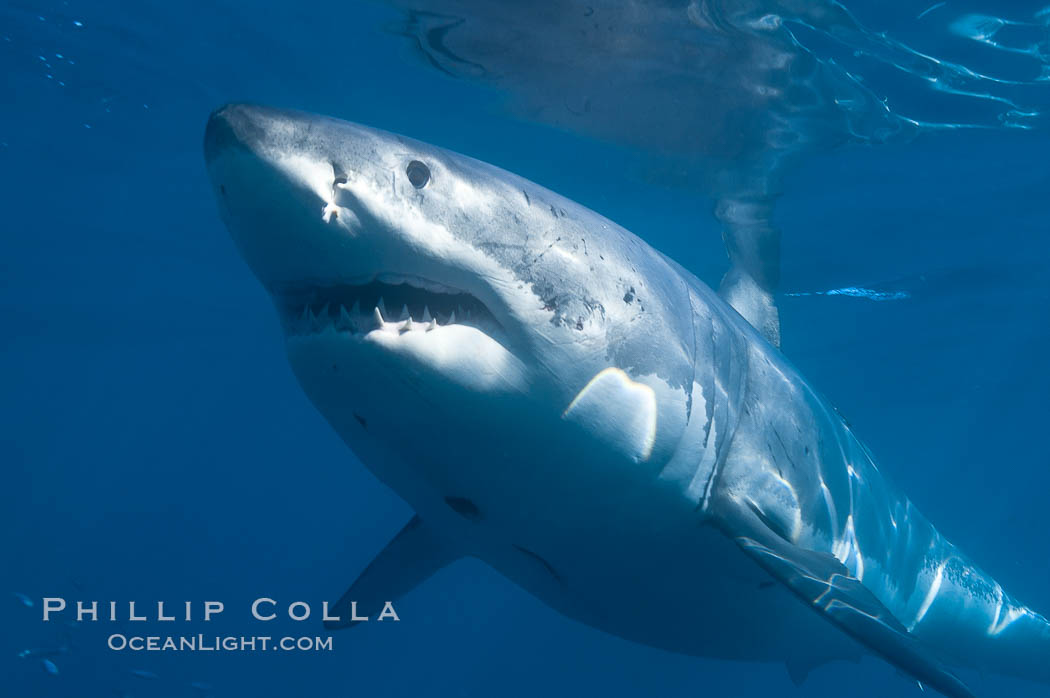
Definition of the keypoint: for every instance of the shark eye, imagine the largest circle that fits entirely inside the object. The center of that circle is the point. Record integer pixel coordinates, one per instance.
(418, 174)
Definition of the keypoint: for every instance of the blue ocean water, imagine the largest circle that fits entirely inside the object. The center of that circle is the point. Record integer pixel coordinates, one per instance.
(157, 446)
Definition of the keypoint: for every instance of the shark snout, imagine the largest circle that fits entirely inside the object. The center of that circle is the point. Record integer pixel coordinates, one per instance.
(274, 186)
(218, 134)
(236, 126)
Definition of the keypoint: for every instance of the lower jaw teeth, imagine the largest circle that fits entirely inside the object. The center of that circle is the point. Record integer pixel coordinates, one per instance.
(406, 323)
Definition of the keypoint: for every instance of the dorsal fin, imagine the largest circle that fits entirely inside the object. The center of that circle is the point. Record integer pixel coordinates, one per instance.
(753, 246)
(753, 302)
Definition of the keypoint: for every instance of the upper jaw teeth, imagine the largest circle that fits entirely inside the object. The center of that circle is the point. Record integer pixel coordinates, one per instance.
(354, 320)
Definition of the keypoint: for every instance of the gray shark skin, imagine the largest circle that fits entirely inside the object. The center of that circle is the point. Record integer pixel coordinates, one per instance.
(556, 398)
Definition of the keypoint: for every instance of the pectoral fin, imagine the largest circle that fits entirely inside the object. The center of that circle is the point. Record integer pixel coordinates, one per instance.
(824, 583)
(409, 559)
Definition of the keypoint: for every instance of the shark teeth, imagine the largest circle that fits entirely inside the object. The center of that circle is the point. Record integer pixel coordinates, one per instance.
(335, 317)
(321, 321)
(388, 302)
(345, 323)
(428, 323)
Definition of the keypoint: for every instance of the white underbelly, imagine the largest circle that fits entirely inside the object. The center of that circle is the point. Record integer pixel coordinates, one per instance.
(662, 578)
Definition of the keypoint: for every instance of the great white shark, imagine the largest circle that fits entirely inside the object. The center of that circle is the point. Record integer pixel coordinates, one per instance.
(555, 397)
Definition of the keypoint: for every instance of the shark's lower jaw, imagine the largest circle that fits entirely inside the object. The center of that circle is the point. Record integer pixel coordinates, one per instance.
(387, 302)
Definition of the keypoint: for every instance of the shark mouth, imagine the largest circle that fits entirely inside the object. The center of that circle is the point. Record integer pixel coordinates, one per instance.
(388, 302)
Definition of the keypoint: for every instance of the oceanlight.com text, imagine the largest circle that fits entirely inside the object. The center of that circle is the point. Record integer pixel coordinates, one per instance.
(217, 643)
